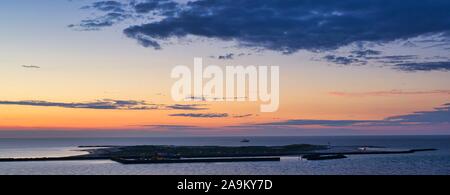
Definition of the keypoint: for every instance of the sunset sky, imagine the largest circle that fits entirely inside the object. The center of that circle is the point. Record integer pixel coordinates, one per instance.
(346, 67)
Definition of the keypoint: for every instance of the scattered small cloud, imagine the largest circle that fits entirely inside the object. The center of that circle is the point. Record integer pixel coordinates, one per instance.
(405, 63)
(229, 56)
(195, 98)
(31, 66)
(205, 98)
(187, 107)
(423, 66)
(364, 53)
(105, 104)
(242, 116)
(389, 93)
(364, 56)
(106, 6)
(109, 104)
(201, 115)
(342, 60)
(438, 116)
(97, 23)
(393, 59)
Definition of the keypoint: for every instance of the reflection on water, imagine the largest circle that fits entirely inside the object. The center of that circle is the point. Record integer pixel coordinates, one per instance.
(381, 164)
(40, 152)
(430, 162)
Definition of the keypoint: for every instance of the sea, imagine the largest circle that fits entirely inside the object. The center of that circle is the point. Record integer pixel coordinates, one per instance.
(421, 163)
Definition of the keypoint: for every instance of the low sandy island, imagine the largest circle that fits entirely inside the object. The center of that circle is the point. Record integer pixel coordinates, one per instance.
(174, 154)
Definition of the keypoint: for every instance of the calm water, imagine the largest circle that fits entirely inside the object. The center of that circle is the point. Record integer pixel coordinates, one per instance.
(433, 162)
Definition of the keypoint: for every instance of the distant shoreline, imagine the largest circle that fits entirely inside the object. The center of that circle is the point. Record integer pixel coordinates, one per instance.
(110, 152)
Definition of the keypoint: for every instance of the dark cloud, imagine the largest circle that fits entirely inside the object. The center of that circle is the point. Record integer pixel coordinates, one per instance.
(440, 115)
(199, 115)
(286, 26)
(342, 60)
(406, 63)
(106, 104)
(392, 59)
(30, 66)
(363, 56)
(107, 6)
(109, 13)
(96, 23)
(423, 66)
(187, 107)
(242, 116)
(229, 56)
(437, 116)
(291, 25)
(365, 53)
(165, 7)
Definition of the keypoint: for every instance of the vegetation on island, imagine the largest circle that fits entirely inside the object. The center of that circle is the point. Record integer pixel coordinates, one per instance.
(206, 151)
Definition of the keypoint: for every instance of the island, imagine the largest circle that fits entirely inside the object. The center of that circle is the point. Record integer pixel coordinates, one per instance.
(194, 154)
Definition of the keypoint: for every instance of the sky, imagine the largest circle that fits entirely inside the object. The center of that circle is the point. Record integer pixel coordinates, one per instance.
(350, 67)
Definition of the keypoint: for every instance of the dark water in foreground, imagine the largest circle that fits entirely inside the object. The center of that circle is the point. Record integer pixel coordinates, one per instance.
(432, 162)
